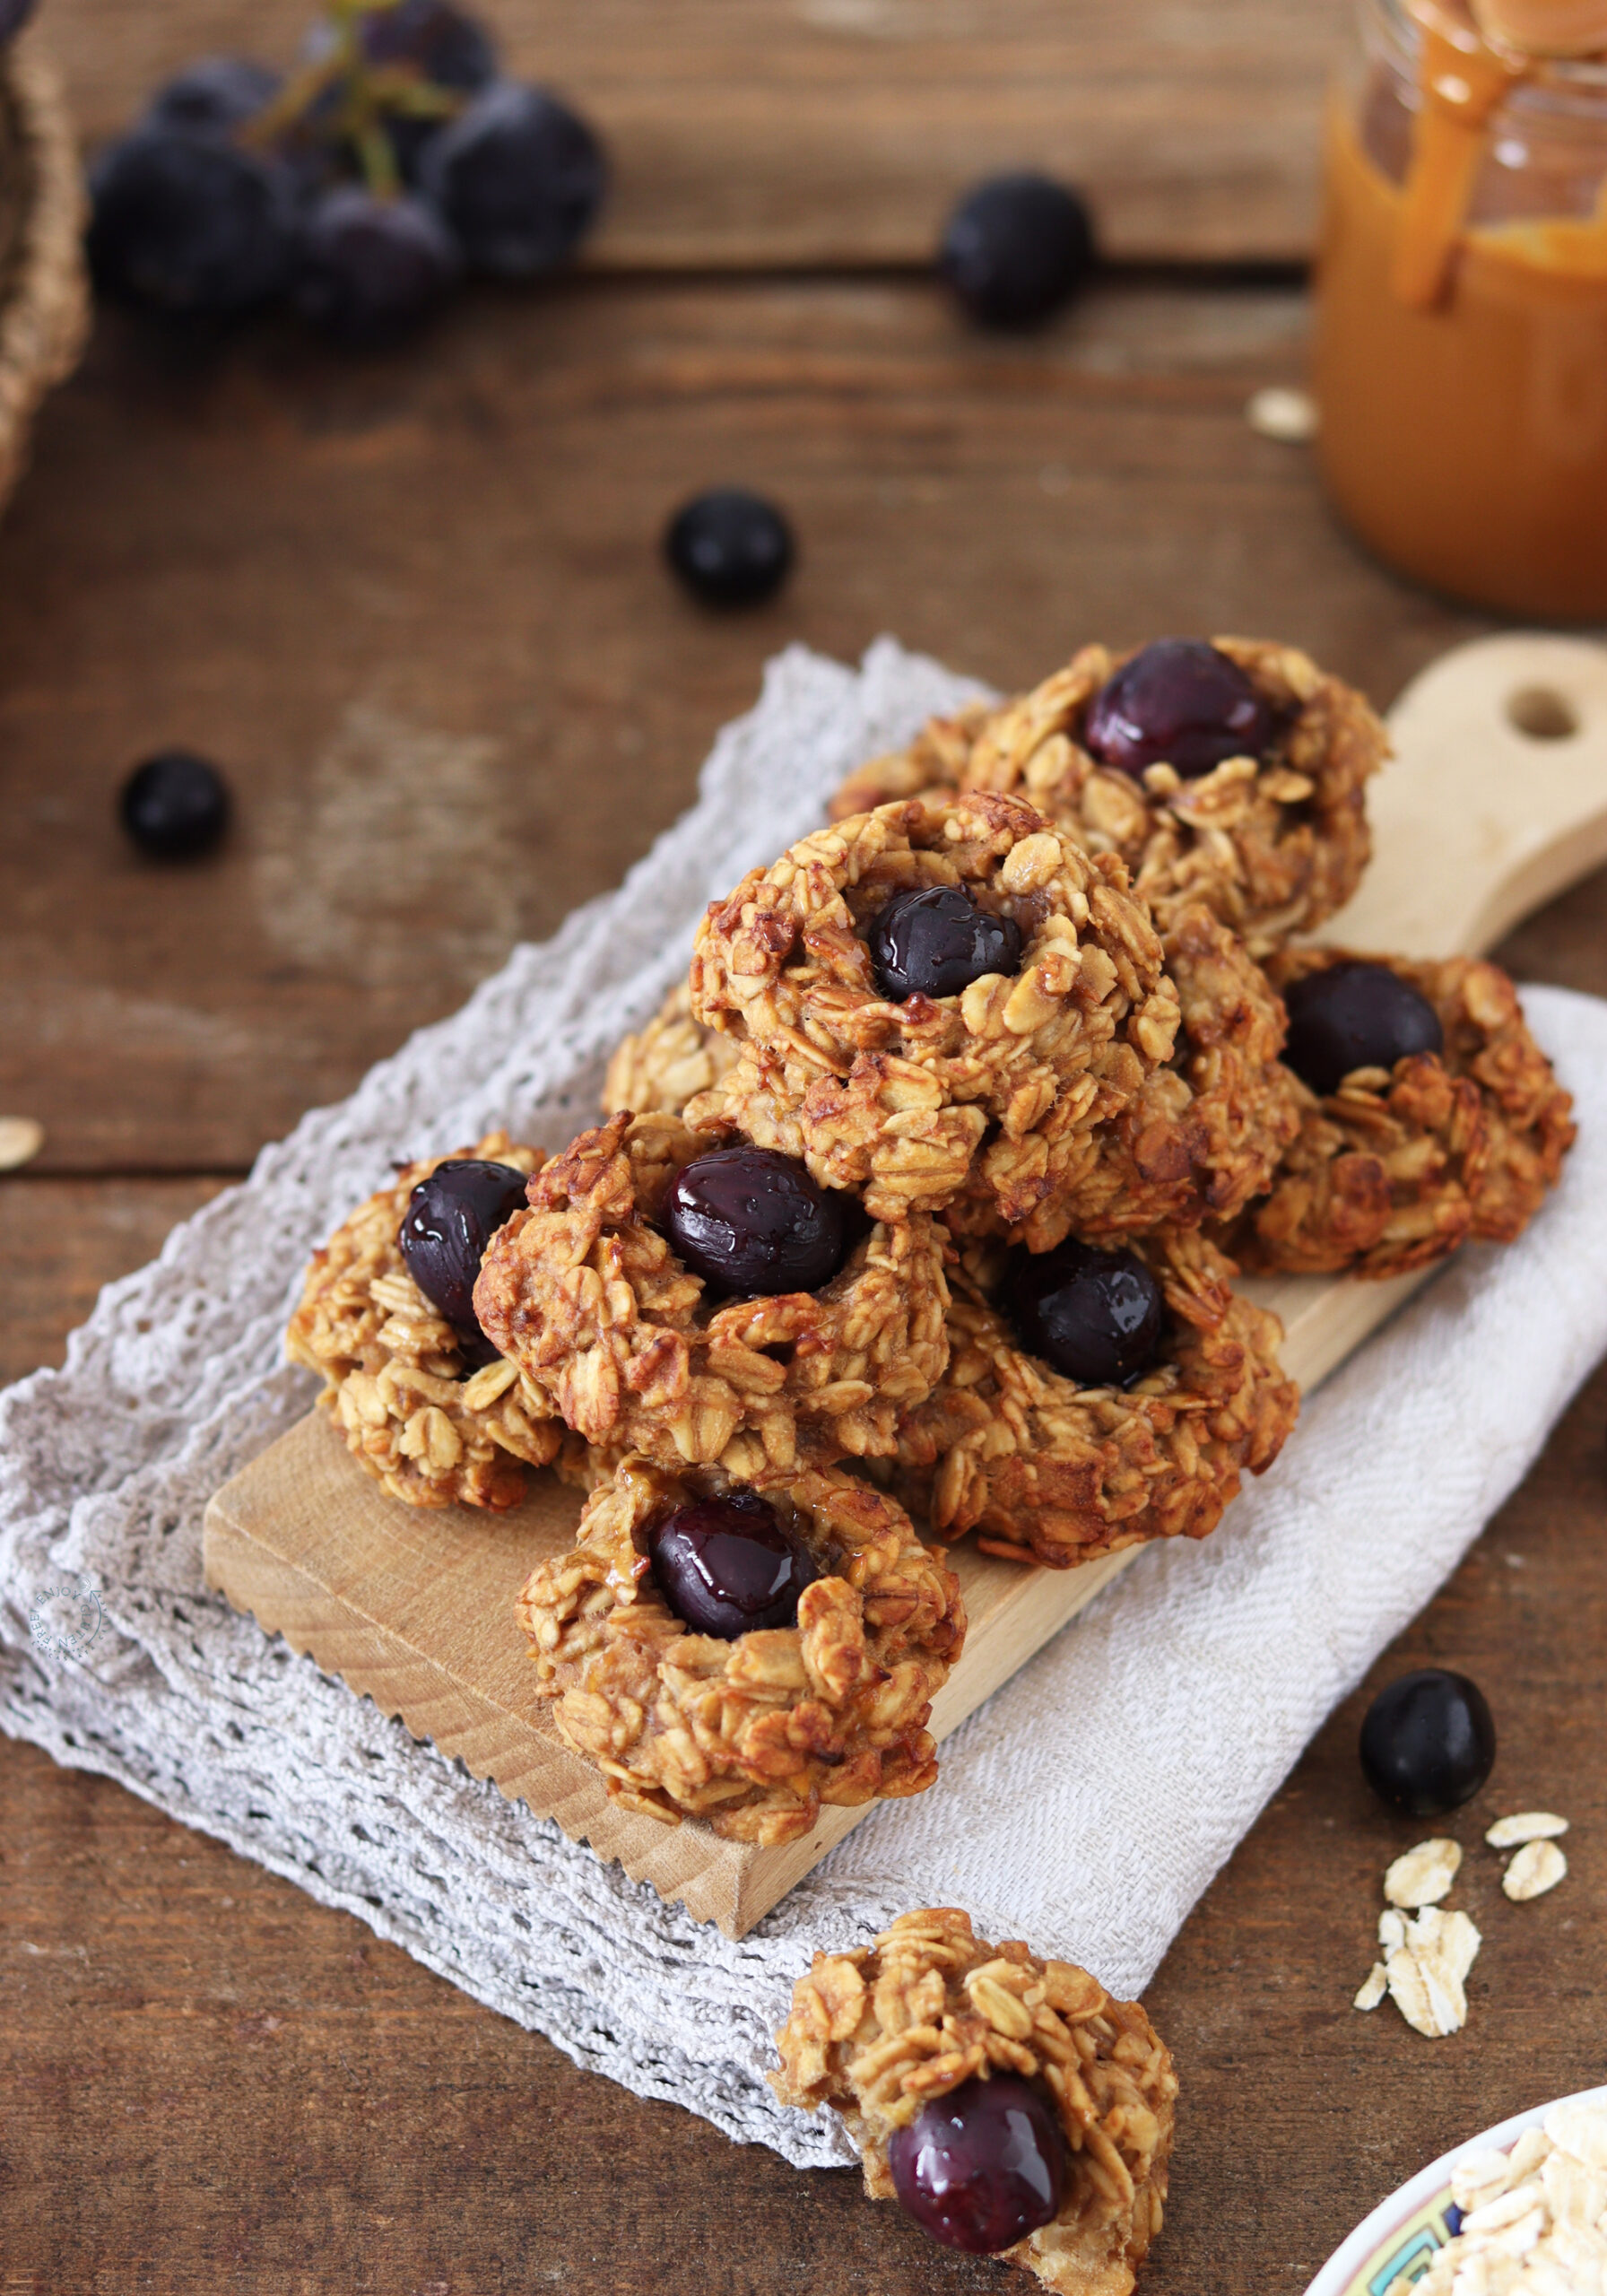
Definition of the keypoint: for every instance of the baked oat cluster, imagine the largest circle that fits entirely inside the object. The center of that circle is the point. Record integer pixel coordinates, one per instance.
(922, 2041)
(635, 1352)
(398, 1383)
(1268, 829)
(756, 1732)
(1049, 1469)
(1396, 1163)
(1003, 1083)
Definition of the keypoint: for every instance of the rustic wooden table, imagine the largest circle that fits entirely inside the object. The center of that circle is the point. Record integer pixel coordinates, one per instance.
(416, 605)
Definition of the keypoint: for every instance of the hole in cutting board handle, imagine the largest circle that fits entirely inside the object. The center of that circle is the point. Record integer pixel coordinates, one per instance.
(1543, 713)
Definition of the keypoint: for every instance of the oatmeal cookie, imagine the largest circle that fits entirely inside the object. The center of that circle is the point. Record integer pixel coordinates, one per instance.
(1273, 844)
(1005, 1082)
(1204, 1132)
(752, 1733)
(880, 2033)
(659, 1069)
(395, 1379)
(1049, 1470)
(586, 1294)
(1399, 1166)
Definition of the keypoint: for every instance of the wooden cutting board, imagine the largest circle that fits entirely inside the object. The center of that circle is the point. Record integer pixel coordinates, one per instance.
(1497, 799)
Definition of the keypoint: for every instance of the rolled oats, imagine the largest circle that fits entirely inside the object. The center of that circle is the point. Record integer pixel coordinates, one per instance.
(1397, 1169)
(1003, 1086)
(584, 1292)
(1048, 1472)
(756, 1733)
(1527, 1825)
(1538, 1866)
(21, 1139)
(1426, 1971)
(1273, 844)
(1423, 1875)
(392, 1367)
(1374, 1986)
(1534, 2220)
(875, 2034)
(669, 1061)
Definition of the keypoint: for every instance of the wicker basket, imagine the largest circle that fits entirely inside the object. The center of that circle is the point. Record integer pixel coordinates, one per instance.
(44, 296)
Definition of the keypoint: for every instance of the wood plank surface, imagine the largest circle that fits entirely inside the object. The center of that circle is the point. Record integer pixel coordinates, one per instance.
(415, 607)
(806, 133)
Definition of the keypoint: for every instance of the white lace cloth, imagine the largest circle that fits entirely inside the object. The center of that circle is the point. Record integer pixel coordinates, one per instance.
(1084, 1807)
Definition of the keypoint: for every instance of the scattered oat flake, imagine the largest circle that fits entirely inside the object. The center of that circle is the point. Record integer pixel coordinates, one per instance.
(1277, 412)
(1538, 1867)
(21, 1140)
(1528, 1825)
(1374, 1987)
(1391, 1930)
(1423, 1875)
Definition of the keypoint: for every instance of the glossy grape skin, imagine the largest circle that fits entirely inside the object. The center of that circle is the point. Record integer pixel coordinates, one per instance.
(1098, 1317)
(189, 227)
(751, 1223)
(450, 1218)
(726, 1566)
(372, 269)
(212, 98)
(1016, 248)
(519, 178)
(450, 49)
(175, 805)
(1177, 703)
(983, 2167)
(934, 941)
(1428, 1742)
(730, 548)
(1355, 1016)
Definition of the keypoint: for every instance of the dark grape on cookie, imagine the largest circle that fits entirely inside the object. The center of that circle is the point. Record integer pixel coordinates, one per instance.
(1006, 2101)
(744, 1652)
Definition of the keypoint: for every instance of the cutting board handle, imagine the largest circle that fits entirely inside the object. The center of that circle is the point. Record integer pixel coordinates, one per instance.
(1495, 800)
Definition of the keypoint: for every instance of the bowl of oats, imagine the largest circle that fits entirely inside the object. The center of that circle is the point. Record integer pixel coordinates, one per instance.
(1520, 2210)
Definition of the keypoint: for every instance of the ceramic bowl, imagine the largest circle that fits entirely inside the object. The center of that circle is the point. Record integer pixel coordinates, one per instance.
(1404, 2232)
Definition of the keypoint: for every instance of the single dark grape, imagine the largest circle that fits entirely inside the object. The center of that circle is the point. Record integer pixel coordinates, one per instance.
(1098, 1317)
(212, 98)
(189, 227)
(1355, 1016)
(935, 940)
(446, 46)
(14, 15)
(175, 805)
(450, 1218)
(519, 178)
(752, 1220)
(1016, 248)
(729, 547)
(372, 268)
(1428, 1742)
(982, 2166)
(725, 1565)
(1177, 703)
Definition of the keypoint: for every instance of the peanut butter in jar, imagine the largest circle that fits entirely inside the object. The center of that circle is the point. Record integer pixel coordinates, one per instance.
(1461, 351)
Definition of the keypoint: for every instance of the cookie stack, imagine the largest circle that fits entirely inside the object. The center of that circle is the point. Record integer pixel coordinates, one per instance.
(923, 1198)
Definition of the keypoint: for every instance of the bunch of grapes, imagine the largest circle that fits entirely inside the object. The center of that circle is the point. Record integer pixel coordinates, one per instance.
(362, 185)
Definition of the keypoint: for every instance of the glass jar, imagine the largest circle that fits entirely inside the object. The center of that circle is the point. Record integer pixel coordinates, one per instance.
(1460, 342)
